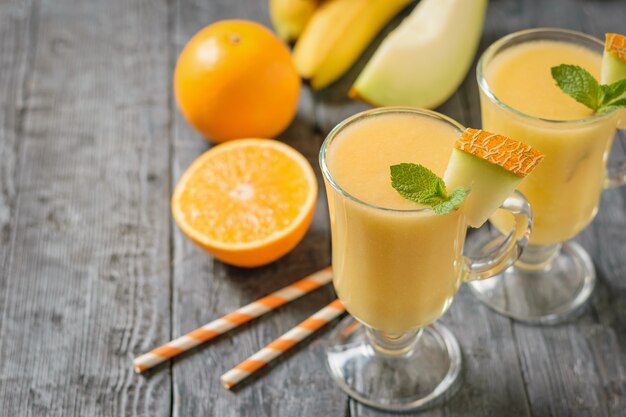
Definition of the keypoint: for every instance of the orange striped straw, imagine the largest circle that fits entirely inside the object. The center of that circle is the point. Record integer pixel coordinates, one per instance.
(232, 320)
(282, 344)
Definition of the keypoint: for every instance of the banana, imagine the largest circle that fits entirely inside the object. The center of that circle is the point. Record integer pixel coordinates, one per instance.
(289, 17)
(337, 34)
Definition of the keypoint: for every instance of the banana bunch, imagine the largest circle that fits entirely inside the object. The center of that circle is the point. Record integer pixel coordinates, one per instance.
(289, 17)
(334, 35)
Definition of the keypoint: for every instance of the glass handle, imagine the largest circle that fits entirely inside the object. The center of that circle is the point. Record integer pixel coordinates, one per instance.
(616, 177)
(497, 254)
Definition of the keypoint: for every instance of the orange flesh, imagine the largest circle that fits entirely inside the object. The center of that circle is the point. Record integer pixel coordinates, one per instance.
(244, 195)
(509, 154)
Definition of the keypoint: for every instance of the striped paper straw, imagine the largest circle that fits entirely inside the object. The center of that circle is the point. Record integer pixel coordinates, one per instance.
(282, 344)
(232, 320)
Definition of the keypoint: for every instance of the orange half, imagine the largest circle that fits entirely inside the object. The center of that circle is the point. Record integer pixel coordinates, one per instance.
(248, 202)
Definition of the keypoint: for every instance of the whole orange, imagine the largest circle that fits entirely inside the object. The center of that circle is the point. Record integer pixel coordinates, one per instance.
(236, 79)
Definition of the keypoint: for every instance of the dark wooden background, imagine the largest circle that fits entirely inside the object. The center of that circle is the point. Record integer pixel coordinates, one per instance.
(93, 271)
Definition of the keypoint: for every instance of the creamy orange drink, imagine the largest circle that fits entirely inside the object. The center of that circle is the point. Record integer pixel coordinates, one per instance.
(564, 191)
(395, 269)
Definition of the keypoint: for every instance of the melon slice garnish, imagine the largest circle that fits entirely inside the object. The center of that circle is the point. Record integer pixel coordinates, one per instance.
(614, 58)
(616, 44)
(491, 166)
(614, 64)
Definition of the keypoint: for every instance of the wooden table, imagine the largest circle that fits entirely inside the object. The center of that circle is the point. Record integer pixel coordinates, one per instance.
(93, 271)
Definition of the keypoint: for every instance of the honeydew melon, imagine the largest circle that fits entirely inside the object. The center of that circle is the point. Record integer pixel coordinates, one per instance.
(491, 167)
(613, 68)
(614, 64)
(424, 60)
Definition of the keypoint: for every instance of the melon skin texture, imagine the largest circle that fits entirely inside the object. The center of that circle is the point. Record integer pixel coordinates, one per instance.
(425, 59)
(488, 184)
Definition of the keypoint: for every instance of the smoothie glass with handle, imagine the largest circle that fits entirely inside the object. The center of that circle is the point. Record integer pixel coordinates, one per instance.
(554, 277)
(397, 271)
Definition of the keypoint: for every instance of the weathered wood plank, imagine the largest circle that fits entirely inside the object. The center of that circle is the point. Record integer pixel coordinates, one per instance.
(17, 27)
(205, 288)
(86, 285)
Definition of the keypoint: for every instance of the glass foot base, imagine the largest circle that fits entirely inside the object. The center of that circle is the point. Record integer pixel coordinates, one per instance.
(547, 295)
(421, 377)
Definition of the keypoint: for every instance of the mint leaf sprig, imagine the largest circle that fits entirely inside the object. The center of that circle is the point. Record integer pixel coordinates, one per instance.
(579, 84)
(417, 183)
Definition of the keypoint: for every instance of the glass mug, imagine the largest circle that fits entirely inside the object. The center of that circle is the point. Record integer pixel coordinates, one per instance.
(397, 271)
(553, 278)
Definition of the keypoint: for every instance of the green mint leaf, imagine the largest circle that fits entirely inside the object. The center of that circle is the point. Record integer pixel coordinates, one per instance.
(612, 91)
(456, 197)
(417, 183)
(584, 88)
(613, 105)
(578, 84)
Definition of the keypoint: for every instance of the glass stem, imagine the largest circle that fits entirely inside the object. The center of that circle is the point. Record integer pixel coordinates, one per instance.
(537, 257)
(393, 345)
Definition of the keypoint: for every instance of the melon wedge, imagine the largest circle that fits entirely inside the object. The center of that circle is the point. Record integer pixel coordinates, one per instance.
(491, 166)
(614, 64)
(614, 58)
(425, 59)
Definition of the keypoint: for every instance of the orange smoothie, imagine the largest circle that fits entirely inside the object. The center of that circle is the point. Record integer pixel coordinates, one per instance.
(397, 265)
(565, 189)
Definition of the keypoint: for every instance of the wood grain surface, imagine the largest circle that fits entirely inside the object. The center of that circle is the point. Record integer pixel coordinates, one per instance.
(85, 283)
(93, 271)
